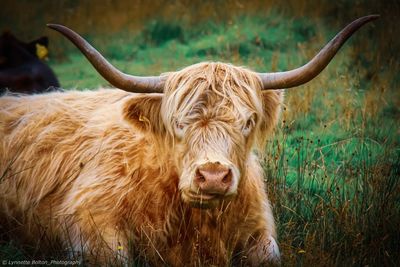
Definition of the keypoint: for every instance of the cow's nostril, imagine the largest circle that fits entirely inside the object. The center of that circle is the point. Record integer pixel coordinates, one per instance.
(201, 178)
(227, 178)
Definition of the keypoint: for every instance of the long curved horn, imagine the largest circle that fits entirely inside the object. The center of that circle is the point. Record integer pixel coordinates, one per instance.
(299, 76)
(136, 84)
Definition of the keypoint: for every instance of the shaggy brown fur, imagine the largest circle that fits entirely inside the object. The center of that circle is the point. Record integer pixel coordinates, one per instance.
(109, 168)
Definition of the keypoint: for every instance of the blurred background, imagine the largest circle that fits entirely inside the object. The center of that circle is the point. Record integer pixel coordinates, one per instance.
(333, 167)
(150, 37)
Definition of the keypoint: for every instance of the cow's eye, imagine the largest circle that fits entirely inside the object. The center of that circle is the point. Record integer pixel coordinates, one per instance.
(248, 126)
(179, 128)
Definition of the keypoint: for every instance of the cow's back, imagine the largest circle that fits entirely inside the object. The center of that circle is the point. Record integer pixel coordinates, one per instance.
(42, 140)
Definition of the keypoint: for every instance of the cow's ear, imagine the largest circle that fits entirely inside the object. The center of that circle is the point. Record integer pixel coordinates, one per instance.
(144, 112)
(44, 41)
(273, 102)
(39, 47)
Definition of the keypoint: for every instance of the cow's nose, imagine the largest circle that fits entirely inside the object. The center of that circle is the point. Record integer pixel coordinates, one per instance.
(213, 178)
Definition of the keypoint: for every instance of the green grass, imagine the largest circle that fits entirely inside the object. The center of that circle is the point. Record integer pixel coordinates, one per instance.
(253, 42)
(333, 167)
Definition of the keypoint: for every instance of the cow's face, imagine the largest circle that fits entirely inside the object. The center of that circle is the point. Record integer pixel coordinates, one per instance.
(213, 114)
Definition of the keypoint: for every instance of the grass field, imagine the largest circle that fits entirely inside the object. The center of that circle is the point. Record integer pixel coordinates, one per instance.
(333, 166)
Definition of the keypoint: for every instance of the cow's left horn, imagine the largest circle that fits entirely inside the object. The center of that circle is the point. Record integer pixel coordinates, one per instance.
(152, 84)
(299, 76)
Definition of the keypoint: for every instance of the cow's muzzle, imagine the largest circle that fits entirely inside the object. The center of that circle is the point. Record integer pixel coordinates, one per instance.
(213, 179)
(212, 183)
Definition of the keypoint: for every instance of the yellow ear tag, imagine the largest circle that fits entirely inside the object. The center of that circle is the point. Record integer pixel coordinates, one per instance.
(41, 51)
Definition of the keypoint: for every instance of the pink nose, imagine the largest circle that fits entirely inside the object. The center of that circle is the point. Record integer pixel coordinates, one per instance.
(213, 178)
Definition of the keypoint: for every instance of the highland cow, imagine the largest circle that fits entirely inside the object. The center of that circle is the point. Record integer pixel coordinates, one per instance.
(168, 170)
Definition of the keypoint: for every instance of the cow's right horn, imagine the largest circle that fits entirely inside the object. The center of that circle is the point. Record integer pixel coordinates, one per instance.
(136, 84)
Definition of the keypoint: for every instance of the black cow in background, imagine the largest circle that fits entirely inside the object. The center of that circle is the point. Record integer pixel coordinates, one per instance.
(21, 67)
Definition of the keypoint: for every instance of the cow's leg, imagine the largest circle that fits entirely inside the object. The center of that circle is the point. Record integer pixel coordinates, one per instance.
(263, 251)
(262, 248)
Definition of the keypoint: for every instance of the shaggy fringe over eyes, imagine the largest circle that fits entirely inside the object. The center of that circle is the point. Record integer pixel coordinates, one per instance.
(237, 88)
